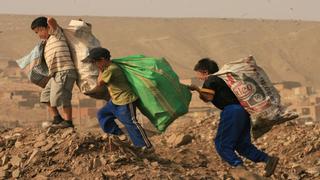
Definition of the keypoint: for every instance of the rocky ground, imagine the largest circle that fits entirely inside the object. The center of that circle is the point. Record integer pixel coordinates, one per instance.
(184, 151)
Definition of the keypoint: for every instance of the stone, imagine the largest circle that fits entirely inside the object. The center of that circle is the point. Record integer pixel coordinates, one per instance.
(179, 140)
(18, 130)
(16, 173)
(313, 170)
(146, 161)
(2, 143)
(67, 132)
(48, 146)
(40, 144)
(7, 166)
(41, 177)
(96, 163)
(239, 174)
(15, 161)
(34, 153)
(5, 160)
(103, 160)
(155, 164)
(18, 144)
(3, 174)
(10, 142)
(41, 137)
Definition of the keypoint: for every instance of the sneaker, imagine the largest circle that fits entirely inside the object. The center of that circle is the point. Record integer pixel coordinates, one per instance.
(66, 124)
(123, 138)
(147, 150)
(57, 120)
(120, 140)
(271, 166)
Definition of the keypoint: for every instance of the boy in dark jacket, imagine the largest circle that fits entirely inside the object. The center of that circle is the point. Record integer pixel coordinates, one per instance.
(233, 132)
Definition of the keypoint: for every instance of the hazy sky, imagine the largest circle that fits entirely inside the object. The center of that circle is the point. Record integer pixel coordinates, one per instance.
(266, 9)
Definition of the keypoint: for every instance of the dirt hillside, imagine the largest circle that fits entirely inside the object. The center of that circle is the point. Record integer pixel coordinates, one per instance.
(184, 151)
(288, 50)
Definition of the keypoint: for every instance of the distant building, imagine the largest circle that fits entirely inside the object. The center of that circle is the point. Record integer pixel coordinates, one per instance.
(13, 72)
(307, 113)
(301, 99)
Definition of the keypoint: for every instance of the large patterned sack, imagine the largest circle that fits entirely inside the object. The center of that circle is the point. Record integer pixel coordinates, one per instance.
(256, 94)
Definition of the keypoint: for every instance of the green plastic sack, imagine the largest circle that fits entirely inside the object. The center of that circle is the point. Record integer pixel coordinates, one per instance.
(162, 98)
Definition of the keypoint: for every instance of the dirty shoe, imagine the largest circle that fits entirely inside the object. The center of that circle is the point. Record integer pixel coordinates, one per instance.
(123, 138)
(147, 150)
(271, 166)
(66, 124)
(57, 120)
(144, 151)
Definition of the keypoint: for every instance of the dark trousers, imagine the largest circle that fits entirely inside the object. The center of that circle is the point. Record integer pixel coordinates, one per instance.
(234, 135)
(126, 114)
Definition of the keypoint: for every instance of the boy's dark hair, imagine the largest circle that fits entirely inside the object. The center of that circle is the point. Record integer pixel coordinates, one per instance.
(39, 22)
(206, 64)
(98, 53)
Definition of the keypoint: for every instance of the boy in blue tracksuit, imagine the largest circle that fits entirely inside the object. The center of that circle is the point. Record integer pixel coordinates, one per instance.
(123, 102)
(233, 132)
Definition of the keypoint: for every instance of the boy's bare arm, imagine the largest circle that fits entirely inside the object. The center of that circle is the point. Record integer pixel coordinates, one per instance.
(52, 23)
(100, 81)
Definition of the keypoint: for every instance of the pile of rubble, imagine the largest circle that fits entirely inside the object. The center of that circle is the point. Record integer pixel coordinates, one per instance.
(184, 151)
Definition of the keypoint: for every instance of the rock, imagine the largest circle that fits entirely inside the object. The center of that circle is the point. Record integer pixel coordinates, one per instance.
(239, 174)
(117, 158)
(5, 160)
(96, 163)
(180, 140)
(18, 144)
(313, 170)
(146, 161)
(3, 174)
(41, 177)
(103, 161)
(16, 161)
(18, 130)
(2, 143)
(155, 164)
(67, 132)
(40, 144)
(10, 142)
(41, 137)
(78, 170)
(298, 169)
(110, 174)
(48, 146)
(7, 166)
(34, 153)
(16, 173)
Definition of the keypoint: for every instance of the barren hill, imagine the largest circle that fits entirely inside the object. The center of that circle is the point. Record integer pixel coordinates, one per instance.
(185, 151)
(287, 50)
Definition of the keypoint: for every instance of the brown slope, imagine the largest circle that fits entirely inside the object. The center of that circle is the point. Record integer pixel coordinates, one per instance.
(287, 50)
